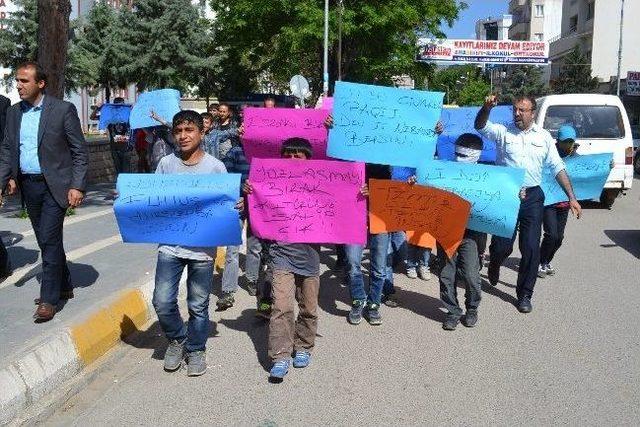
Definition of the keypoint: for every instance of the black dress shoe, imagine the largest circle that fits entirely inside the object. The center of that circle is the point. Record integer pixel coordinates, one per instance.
(524, 305)
(63, 295)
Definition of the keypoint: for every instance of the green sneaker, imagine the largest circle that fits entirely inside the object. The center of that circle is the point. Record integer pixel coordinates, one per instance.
(264, 309)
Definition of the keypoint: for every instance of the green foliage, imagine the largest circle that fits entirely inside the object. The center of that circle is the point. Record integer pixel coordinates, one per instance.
(273, 40)
(523, 80)
(575, 75)
(462, 84)
(19, 39)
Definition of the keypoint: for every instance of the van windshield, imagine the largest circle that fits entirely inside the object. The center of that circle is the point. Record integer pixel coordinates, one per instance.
(589, 121)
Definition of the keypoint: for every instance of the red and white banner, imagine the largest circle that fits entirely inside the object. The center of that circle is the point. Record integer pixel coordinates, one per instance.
(484, 51)
(633, 83)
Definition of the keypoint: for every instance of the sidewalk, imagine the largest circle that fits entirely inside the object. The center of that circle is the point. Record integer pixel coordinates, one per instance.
(107, 277)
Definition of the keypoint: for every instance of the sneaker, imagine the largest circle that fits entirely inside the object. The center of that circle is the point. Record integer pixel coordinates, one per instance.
(524, 305)
(279, 370)
(424, 273)
(550, 270)
(301, 359)
(390, 300)
(373, 314)
(355, 315)
(450, 323)
(411, 273)
(226, 301)
(470, 318)
(174, 355)
(264, 309)
(542, 271)
(196, 363)
(252, 288)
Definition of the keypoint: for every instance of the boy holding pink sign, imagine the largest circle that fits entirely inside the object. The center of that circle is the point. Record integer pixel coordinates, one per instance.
(296, 274)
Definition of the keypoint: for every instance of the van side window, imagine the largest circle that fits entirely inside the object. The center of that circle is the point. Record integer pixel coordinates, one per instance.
(589, 121)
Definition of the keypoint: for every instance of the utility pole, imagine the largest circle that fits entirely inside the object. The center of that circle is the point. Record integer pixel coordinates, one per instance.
(340, 12)
(620, 46)
(325, 76)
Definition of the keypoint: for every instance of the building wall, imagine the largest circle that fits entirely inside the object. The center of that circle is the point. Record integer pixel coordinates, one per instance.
(503, 22)
(528, 24)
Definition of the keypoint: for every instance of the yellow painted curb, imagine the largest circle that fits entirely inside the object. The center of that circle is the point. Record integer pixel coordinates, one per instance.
(102, 330)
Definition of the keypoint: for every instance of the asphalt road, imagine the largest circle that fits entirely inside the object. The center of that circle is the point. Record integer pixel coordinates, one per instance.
(574, 360)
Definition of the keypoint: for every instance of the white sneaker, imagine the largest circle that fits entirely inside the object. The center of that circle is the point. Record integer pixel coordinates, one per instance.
(424, 273)
(550, 270)
(542, 271)
(411, 273)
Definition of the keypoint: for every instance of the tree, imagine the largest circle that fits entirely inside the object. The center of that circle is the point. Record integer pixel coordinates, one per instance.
(462, 84)
(53, 33)
(522, 80)
(575, 74)
(474, 92)
(19, 40)
(267, 40)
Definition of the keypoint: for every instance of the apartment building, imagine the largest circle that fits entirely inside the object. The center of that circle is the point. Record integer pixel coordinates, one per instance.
(537, 20)
(494, 28)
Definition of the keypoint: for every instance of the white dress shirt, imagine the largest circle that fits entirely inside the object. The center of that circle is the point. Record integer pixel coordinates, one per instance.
(530, 149)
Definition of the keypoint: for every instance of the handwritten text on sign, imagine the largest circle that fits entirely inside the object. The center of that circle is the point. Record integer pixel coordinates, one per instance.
(383, 125)
(457, 121)
(265, 129)
(308, 201)
(492, 190)
(398, 206)
(164, 102)
(180, 209)
(588, 175)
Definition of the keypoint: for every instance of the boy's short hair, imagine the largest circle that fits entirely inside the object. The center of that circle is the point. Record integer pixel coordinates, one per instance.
(207, 116)
(297, 145)
(469, 140)
(188, 116)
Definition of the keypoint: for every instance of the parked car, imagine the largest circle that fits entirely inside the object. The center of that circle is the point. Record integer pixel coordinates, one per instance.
(602, 125)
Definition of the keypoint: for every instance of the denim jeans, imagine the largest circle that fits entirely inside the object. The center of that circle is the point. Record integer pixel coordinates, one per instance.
(254, 256)
(231, 271)
(398, 242)
(380, 272)
(417, 256)
(165, 299)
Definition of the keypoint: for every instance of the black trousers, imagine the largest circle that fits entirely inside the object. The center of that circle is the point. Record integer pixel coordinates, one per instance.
(529, 228)
(553, 223)
(5, 266)
(47, 218)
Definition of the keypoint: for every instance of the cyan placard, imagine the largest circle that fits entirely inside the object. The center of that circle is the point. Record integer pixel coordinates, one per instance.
(588, 174)
(164, 102)
(383, 125)
(492, 190)
(111, 114)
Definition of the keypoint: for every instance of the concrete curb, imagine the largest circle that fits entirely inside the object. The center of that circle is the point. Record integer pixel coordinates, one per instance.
(38, 371)
(34, 374)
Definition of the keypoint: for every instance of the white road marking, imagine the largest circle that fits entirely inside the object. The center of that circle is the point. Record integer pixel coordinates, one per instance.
(31, 270)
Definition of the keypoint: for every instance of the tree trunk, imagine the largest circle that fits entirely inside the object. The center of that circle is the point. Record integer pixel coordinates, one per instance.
(53, 34)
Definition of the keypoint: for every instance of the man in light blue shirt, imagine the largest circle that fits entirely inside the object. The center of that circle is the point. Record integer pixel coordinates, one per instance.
(531, 148)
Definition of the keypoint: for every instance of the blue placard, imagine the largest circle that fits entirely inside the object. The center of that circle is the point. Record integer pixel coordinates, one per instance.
(383, 125)
(164, 102)
(111, 114)
(457, 121)
(401, 173)
(179, 209)
(588, 174)
(492, 190)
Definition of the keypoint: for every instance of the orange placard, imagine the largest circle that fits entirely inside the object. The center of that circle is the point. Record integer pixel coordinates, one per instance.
(398, 206)
(422, 239)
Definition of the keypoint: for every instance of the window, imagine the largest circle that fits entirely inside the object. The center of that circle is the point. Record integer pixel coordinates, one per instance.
(539, 10)
(573, 24)
(538, 37)
(591, 10)
(589, 121)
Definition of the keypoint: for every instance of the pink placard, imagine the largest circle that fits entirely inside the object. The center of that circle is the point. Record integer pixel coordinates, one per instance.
(266, 128)
(308, 201)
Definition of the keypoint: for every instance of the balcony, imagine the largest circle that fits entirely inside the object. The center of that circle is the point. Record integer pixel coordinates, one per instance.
(519, 31)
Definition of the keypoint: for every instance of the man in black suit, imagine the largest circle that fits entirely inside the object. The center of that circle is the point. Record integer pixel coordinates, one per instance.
(5, 266)
(44, 152)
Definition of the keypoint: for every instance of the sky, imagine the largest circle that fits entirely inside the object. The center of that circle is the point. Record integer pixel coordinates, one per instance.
(465, 27)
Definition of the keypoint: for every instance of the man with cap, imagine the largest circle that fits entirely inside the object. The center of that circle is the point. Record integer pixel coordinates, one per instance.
(531, 148)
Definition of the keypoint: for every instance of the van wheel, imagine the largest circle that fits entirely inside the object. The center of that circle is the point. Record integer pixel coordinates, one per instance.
(608, 196)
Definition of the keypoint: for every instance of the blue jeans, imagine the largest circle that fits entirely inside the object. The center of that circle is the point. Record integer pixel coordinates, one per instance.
(165, 299)
(381, 275)
(418, 256)
(398, 242)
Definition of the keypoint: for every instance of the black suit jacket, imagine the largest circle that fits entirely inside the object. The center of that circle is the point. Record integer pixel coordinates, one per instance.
(5, 103)
(61, 148)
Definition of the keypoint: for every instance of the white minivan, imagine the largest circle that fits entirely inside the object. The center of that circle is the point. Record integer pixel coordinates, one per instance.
(602, 125)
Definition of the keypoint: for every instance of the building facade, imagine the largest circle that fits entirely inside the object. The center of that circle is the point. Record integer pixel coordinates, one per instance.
(537, 20)
(494, 28)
